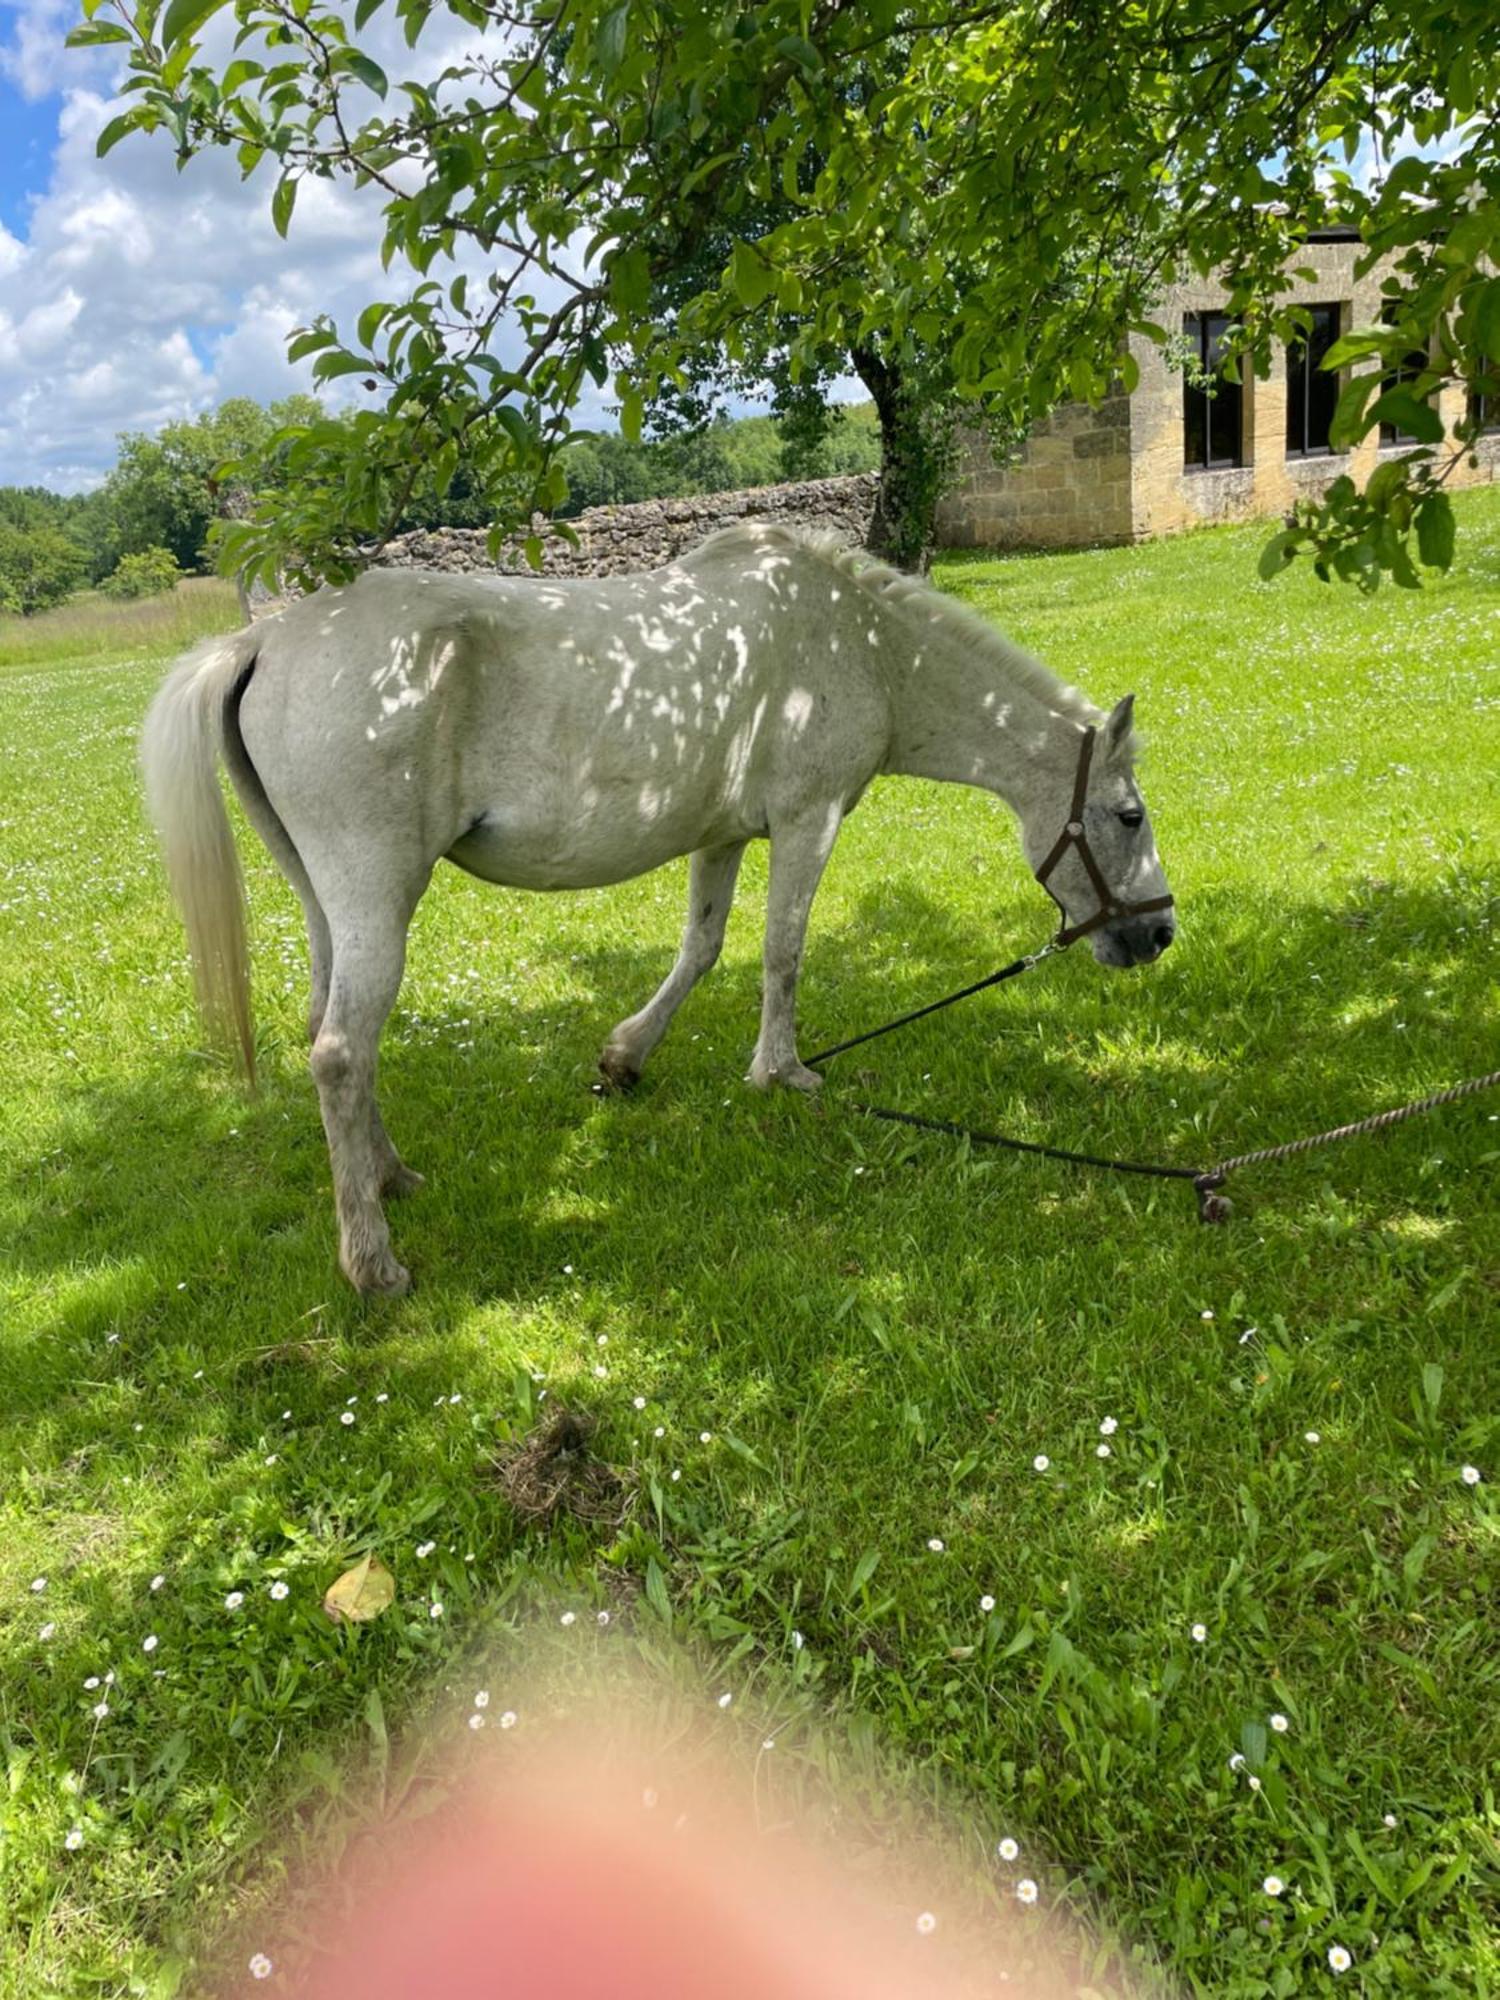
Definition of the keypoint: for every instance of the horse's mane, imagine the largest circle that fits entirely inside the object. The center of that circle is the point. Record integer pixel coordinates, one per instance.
(916, 598)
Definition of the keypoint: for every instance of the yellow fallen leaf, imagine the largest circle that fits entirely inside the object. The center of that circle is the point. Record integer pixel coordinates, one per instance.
(361, 1593)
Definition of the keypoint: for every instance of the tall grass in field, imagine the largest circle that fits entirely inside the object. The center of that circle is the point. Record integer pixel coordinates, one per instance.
(90, 624)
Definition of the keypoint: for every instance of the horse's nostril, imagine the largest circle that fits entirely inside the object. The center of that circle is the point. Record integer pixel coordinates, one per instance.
(1161, 937)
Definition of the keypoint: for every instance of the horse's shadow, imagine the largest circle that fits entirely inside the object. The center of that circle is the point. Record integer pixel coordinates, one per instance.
(1344, 1007)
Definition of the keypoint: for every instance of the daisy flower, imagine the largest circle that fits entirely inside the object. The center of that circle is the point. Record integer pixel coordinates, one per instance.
(99, 1710)
(725, 1700)
(39, 1584)
(234, 1600)
(601, 1618)
(568, 1618)
(508, 1720)
(1200, 1633)
(150, 1643)
(279, 1589)
(1312, 1437)
(1041, 1462)
(1026, 1890)
(986, 1603)
(1273, 1885)
(260, 1966)
(47, 1630)
(434, 1611)
(73, 1839)
(157, 1582)
(1102, 1451)
(1280, 1724)
(425, 1549)
(1108, 1427)
(935, 1543)
(927, 1923)
(476, 1721)
(1471, 1476)
(1008, 1849)
(1338, 1959)
(346, 1416)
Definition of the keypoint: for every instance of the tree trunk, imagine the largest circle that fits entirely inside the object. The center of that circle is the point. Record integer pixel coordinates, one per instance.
(915, 460)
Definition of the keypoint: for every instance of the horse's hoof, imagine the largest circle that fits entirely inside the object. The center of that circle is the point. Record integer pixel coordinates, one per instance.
(402, 1180)
(617, 1071)
(796, 1076)
(387, 1280)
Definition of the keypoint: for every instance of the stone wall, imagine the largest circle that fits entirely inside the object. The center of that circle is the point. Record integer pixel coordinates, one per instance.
(1069, 483)
(616, 540)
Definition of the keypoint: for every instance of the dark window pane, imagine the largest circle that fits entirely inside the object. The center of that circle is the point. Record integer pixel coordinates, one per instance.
(1312, 393)
(1211, 424)
(1322, 383)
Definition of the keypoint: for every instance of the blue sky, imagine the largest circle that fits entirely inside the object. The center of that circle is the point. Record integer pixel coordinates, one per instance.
(130, 294)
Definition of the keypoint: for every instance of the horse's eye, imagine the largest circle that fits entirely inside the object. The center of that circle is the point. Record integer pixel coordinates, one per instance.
(1132, 820)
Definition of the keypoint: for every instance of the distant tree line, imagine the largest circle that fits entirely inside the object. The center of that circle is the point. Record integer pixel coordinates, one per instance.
(154, 517)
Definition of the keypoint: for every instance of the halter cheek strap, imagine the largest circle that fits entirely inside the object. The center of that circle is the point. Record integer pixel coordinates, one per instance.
(1074, 836)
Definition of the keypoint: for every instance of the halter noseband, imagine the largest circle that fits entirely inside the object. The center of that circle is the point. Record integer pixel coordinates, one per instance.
(1073, 835)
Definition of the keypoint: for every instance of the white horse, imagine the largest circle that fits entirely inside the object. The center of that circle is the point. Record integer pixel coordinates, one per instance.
(561, 735)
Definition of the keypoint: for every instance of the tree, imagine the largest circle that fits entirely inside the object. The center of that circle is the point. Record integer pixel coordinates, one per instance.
(986, 198)
(147, 573)
(167, 491)
(39, 566)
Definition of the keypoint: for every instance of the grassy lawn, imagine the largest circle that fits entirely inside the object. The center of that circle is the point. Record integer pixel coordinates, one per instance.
(879, 1332)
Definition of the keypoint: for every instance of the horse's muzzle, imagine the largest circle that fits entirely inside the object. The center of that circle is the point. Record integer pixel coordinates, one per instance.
(1136, 940)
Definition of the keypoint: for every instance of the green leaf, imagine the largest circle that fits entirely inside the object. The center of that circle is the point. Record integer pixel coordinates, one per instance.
(1408, 413)
(1276, 554)
(1487, 317)
(630, 280)
(1349, 420)
(1435, 538)
(115, 131)
(750, 275)
(185, 17)
(282, 202)
(1432, 1384)
(656, 1592)
(93, 34)
(369, 72)
(632, 414)
(369, 322)
(328, 366)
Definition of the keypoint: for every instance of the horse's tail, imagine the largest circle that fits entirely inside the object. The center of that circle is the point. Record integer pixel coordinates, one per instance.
(181, 744)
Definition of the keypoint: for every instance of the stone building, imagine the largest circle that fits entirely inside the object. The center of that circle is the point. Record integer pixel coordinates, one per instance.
(1168, 457)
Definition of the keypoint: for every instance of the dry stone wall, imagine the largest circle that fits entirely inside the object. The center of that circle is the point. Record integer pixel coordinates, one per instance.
(616, 540)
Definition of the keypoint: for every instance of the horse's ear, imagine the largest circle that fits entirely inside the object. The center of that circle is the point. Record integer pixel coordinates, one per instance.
(1117, 728)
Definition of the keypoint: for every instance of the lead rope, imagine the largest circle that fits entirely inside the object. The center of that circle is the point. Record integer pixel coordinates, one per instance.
(1213, 1204)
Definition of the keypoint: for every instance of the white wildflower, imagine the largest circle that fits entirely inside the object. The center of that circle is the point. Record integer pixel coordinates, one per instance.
(986, 1603)
(1273, 1885)
(482, 1698)
(234, 1600)
(1280, 1724)
(927, 1923)
(1471, 1476)
(150, 1643)
(508, 1720)
(1108, 1427)
(1026, 1890)
(1200, 1633)
(935, 1544)
(1041, 1462)
(1338, 1959)
(260, 1966)
(1008, 1849)
(73, 1839)
(280, 1589)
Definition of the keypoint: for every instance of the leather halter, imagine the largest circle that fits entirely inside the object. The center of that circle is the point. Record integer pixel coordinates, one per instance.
(1073, 835)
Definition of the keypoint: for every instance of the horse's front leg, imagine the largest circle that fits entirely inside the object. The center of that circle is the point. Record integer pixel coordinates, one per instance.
(800, 848)
(710, 893)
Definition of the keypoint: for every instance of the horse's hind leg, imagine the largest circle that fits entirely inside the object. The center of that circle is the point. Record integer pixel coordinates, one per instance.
(396, 1178)
(710, 892)
(369, 951)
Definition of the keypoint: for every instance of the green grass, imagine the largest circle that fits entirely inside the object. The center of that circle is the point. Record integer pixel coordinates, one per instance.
(880, 1331)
